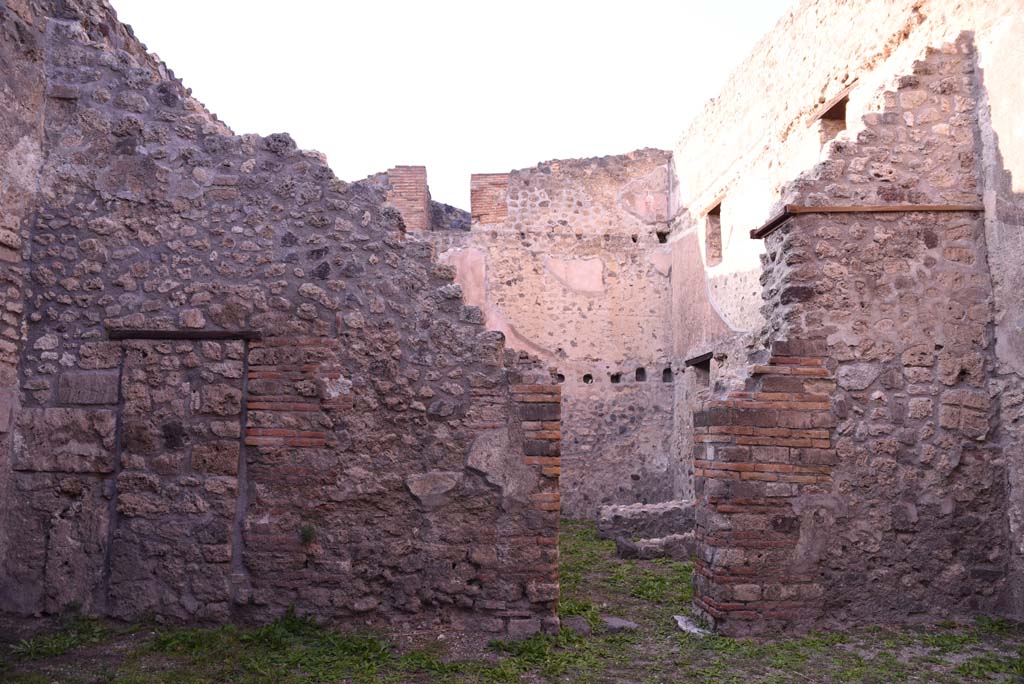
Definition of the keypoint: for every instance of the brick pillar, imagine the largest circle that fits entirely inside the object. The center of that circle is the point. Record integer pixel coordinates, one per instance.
(487, 197)
(410, 194)
(756, 453)
(538, 411)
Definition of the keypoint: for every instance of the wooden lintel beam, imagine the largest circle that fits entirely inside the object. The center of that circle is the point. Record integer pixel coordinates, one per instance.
(697, 360)
(796, 209)
(821, 109)
(144, 334)
(881, 208)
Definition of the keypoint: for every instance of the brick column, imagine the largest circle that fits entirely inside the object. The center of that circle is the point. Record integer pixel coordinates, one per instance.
(282, 391)
(488, 193)
(410, 194)
(757, 452)
(538, 412)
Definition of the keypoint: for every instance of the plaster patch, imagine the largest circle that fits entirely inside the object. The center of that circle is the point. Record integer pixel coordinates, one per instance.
(581, 275)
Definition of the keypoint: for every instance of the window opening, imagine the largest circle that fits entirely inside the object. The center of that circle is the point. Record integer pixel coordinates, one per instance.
(714, 235)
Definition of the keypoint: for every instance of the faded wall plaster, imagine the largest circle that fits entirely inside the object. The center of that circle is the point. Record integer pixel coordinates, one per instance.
(573, 271)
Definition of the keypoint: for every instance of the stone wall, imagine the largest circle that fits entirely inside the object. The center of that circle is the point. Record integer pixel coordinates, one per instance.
(231, 383)
(567, 260)
(860, 475)
(22, 98)
(243, 387)
(762, 132)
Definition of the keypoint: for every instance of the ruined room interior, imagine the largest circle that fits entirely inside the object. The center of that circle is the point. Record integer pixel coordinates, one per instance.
(234, 385)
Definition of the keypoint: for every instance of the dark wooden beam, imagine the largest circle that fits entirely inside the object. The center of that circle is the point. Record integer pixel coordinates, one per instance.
(698, 360)
(769, 226)
(881, 208)
(821, 109)
(791, 210)
(144, 334)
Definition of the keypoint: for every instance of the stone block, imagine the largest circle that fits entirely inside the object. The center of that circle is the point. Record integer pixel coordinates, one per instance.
(492, 456)
(540, 447)
(857, 376)
(541, 592)
(65, 440)
(94, 355)
(646, 521)
(678, 546)
(523, 629)
(617, 624)
(54, 562)
(8, 401)
(88, 388)
(218, 458)
(746, 592)
(540, 412)
(221, 400)
(577, 624)
(431, 489)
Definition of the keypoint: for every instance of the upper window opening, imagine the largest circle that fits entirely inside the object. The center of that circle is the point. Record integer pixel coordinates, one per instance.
(641, 375)
(833, 121)
(830, 116)
(837, 112)
(714, 235)
(666, 375)
(588, 379)
(616, 378)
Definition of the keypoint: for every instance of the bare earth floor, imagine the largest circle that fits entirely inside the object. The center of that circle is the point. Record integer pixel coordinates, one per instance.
(595, 585)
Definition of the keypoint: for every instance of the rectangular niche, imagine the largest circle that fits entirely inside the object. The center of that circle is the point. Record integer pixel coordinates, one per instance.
(701, 366)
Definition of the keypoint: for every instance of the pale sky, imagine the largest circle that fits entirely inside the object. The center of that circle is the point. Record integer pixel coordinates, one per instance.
(459, 87)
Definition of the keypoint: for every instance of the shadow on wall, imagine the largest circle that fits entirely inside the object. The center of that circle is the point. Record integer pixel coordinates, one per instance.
(1004, 233)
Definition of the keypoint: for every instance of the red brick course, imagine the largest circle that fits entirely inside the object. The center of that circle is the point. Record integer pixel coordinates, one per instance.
(410, 195)
(746, 533)
(487, 197)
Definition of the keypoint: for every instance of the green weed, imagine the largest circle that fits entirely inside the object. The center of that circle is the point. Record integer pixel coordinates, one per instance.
(76, 632)
(984, 666)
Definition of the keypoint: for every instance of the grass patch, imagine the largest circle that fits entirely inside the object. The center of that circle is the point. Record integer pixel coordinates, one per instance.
(293, 649)
(296, 650)
(583, 554)
(583, 608)
(666, 582)
(948, 642)
(985, 666)
(76, 631)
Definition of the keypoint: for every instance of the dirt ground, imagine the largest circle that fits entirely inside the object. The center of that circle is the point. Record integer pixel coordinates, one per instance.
(595, 585)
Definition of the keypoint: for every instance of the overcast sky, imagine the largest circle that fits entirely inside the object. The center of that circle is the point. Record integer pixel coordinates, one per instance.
(460, 87)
